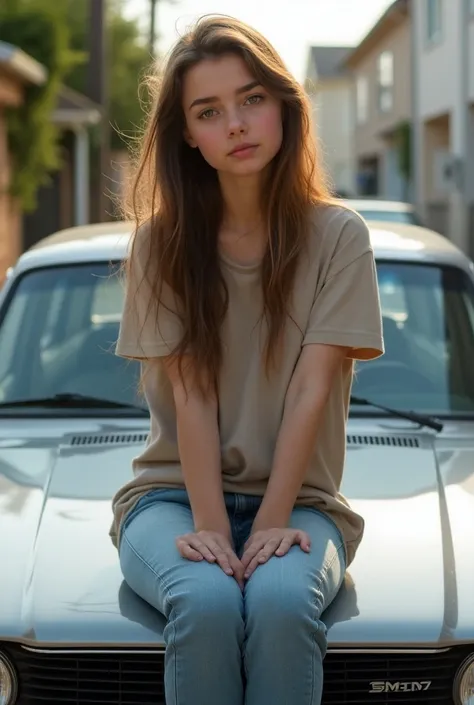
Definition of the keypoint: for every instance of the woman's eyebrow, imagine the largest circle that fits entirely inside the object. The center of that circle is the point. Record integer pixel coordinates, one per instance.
(214, 98)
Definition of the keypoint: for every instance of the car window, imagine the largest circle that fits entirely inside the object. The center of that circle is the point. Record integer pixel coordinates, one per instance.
(58, 333)
(11, 329)
(107, 292)
(428, 321)
(59, 326)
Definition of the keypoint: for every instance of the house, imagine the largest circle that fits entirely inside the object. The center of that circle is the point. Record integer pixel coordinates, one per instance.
(443, 119)
(65, 200)
(380, 67)
(329, 86)
(17, 71)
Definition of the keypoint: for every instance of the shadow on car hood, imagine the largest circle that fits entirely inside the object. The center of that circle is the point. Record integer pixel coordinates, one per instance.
(411, 583)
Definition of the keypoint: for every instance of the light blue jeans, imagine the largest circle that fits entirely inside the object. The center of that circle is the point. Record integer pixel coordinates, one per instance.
(264, 646)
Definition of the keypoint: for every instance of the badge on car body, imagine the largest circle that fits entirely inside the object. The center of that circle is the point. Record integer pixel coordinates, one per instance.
(398, 686)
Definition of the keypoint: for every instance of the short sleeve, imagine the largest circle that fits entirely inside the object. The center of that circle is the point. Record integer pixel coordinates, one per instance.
(346, 309)
(149, 328)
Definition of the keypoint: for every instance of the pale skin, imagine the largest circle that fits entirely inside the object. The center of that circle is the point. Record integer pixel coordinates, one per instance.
(225, 108)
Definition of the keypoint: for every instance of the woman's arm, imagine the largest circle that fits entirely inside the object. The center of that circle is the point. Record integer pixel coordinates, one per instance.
(199, 450)
(305, 400)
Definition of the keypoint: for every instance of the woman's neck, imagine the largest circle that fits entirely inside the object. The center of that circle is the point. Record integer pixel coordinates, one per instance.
(242, 210)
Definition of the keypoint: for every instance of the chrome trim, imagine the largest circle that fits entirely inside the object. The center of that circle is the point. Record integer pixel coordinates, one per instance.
(389, 651)
(118, 650)
(469, 661)
(98, 650)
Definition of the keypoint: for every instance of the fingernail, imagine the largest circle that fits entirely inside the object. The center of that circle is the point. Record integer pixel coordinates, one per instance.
(229, 571)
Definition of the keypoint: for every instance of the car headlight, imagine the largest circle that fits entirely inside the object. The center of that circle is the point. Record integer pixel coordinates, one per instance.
(464, 683)
(8, 682)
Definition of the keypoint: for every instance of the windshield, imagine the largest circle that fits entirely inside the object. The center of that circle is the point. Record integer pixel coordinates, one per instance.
(60, 325)
(58, 335)
(428, 320)
(389, 216)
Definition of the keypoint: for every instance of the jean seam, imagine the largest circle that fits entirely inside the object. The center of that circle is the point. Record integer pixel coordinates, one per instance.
(145, 563)
(170, 596)
(173, 641)
(324, 572)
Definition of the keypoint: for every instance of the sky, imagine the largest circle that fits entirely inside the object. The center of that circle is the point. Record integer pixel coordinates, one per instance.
(291, 25)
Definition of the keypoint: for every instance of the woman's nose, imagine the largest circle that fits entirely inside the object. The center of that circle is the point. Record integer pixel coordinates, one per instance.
(236, 125)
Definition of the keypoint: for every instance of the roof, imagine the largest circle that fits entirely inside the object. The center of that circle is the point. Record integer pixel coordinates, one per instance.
(75, 108)
(21, 65)
(406, 241)
(328, 60)
(109, 241)
(393, 16)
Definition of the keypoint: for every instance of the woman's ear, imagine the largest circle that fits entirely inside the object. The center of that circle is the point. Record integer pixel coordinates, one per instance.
(188, 139)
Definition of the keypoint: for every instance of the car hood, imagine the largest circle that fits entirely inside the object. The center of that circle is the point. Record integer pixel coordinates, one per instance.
(411, 583)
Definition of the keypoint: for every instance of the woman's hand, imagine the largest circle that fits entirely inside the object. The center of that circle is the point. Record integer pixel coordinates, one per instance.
(213, 547)
(266, 543)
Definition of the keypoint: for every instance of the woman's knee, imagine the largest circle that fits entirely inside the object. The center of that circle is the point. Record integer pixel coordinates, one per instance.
(208, 606)
(280, 600)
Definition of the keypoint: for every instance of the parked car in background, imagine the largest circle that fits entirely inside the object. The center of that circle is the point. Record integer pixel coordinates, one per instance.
(387, 211)
(401, 629)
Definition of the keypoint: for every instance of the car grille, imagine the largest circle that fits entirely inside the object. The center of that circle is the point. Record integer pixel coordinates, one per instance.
(349, 677)
(124, 678)
(89, 678)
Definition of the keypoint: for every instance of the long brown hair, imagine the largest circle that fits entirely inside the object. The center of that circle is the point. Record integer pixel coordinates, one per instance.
(177, 193)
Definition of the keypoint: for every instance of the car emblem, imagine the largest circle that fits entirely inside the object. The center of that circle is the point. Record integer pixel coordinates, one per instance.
(398, 686)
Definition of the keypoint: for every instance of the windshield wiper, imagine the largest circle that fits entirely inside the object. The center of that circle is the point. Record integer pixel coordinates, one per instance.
(72, 401)
(421, 419)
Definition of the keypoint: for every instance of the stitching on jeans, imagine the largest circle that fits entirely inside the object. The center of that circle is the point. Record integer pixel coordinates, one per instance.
(326, 568)
(173, 608)
(145, 563)
(173, 640)
(324, 573)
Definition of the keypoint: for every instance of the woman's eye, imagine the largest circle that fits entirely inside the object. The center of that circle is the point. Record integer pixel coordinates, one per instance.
(254, 99)
(206, 114)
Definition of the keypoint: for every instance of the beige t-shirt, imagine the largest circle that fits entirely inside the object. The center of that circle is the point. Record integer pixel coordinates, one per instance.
(335, 301)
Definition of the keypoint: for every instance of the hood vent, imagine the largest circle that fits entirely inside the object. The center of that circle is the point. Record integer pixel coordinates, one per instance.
(383, 441)
(109, 439)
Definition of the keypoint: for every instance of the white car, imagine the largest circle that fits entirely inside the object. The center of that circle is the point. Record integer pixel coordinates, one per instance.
(383, 210)
(401, 629)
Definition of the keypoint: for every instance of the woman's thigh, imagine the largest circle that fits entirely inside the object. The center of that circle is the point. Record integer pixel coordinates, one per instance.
(153, 567)
(299, 583)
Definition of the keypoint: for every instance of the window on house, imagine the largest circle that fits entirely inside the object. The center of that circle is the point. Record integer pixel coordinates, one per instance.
(434, 19)
(385, 79)
(362, 99)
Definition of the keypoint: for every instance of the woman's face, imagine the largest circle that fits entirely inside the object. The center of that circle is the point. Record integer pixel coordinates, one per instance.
(234, 122)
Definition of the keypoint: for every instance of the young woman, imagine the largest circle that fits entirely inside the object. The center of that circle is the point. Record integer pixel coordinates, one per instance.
(249, 296)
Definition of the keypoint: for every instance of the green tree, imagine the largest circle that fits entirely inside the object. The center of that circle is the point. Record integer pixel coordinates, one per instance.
(55, 32)
(127, 57)
(42, 33)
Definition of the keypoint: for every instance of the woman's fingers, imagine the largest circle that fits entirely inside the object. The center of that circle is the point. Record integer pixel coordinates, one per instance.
(252, 547)
(187, 551)
(260, 555)
(304, 541)
(195, 542)
(214, 549)
(284, 546)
